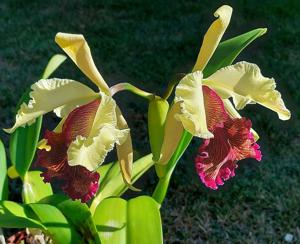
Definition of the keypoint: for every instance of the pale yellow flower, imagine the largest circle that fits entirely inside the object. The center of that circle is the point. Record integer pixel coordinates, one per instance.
(189, 113)
(62, 96)
(243, 82)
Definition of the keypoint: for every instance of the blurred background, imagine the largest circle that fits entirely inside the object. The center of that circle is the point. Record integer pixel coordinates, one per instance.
(148, 43)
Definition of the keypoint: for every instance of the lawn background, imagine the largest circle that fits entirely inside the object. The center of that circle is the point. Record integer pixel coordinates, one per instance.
(148, 43)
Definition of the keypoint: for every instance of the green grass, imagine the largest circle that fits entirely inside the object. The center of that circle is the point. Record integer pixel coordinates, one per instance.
(148, 42)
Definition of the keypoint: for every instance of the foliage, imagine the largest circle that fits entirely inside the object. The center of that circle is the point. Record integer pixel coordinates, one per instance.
(257, 174)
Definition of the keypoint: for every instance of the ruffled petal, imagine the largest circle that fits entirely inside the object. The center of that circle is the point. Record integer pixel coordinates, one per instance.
(213, 36)
(218, 157)
(234, 114)
(75, 181)
(213, 154)
(54, 161)
(90, 151)
(47, 95)
(76, 47)
(192, 112)
(81, 183)
(241, 139)
(233, 141)
(245, 84)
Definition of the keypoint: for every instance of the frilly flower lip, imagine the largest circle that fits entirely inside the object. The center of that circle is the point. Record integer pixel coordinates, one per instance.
(73, 152)
(76, 181)
(233, 141)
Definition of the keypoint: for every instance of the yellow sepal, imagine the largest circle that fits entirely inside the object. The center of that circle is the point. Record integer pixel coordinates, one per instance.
(76, 47)
(213, 36)
(125, 152)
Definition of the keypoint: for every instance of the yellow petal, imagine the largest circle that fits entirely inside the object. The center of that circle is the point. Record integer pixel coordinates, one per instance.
(245, 84)
(172, 135)
(124, 151)
(234, 114)
(192, 112)
(47, 95)
(90, 152)
(78, 50)
(213, 36)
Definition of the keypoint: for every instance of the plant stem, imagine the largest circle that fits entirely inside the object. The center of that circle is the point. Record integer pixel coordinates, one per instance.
(161, 188)
(129, 87)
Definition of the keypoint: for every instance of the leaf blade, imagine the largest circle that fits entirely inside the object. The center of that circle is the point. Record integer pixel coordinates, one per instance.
(113, 184)
(34, 188)
(23, 142)
(135, 221)
(228, 50)
(14, 215)
(58, 227)
(3, 173)
(78, 214)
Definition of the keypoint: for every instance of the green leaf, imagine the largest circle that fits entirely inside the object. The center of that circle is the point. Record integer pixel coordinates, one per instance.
(104, 169)
(53, 64)
(224, 55)
(58, 227)
(22, 146)
(134, 221)
(78, 214)
(113, 184)
(34, 188)
(14, 215)
(23, 141)
(228, 50)
(3, 173)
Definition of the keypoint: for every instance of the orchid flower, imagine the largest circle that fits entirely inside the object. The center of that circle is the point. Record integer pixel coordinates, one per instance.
(202, 108)
(91, 125)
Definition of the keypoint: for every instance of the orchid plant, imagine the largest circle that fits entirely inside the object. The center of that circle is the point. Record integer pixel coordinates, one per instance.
(72, 156)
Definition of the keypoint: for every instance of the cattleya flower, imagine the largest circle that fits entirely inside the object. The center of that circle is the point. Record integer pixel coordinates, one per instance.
(202, 107)
(91, 125)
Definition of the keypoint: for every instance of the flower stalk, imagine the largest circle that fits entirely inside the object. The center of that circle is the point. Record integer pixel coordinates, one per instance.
(129, 87)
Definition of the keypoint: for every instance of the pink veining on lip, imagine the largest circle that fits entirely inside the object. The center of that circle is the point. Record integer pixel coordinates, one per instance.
(217, 157)
(75, 181)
